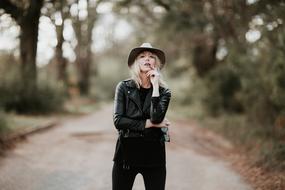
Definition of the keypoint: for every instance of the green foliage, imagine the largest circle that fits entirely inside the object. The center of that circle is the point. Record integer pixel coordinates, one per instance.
(223, 84)
(257, 84)
(265, 148)
(110, 72)
(43, 98)
(3, 123)
(278, 80)
(272, 156)
(262, 93)
(105, 90)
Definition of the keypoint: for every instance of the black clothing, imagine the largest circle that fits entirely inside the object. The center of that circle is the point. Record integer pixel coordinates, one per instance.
(127, 112)
(137, 146)
(154, 177)
(139, 150)
(143, 93)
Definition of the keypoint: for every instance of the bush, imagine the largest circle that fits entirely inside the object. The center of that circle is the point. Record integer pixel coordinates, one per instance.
(3, 123)
(255, 86)
(263, 90)
(105, 88)
(272, 156)
(223, 85)
(109, 75)
(44, 98)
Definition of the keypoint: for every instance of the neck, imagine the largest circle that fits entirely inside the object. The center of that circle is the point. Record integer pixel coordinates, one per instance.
(145, 81)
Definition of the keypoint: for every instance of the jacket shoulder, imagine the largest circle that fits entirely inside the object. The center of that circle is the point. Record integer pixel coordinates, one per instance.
(125, 83)
(129, 82)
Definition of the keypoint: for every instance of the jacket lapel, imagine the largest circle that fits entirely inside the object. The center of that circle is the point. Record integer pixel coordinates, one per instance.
(134, 95)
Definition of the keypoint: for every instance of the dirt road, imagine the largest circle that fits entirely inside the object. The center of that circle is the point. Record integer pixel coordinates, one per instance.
(77, 155)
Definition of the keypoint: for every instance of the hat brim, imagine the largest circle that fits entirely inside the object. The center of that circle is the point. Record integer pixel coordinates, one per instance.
(134, 53)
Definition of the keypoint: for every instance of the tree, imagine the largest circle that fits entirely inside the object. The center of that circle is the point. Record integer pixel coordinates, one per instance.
(26, 14)
(61, 62)
(59, 12)
(83, 29)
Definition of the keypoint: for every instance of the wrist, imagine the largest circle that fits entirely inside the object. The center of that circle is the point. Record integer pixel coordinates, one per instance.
(155, 90)
(155, 84)
(147, 123)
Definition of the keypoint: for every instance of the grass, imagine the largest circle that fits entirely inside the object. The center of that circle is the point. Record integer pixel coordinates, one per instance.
(12, 123)
(178, 111)
(81, 106)
(18, 123)
(263, 145)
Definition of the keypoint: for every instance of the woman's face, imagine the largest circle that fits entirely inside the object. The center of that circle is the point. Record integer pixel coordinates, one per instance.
(146, 61)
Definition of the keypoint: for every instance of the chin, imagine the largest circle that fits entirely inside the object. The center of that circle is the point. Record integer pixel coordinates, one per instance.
(145, 70)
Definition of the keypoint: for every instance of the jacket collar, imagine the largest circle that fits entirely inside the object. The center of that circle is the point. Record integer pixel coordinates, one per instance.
(130, 83)
(133, 93)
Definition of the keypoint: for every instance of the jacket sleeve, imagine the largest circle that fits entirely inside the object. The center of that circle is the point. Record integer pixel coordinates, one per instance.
(119, 117)
(159, 106)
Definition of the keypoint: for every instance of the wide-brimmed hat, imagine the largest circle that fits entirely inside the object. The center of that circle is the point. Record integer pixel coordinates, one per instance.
(146, 47)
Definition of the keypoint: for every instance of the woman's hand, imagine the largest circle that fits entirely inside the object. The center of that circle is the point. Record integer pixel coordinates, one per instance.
(153, 76)
(154, 79)
(164, 123)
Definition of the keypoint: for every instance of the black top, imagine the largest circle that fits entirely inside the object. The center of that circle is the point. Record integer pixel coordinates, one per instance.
(143, 92)
(145, 150)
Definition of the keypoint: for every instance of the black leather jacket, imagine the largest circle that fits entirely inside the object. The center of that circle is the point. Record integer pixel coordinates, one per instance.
(130, 118)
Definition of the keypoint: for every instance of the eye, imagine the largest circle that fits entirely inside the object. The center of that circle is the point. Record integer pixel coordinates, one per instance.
(152, 56)
(141, 56)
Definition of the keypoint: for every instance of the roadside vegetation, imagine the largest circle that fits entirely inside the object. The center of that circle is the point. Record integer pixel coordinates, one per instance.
(225, 63)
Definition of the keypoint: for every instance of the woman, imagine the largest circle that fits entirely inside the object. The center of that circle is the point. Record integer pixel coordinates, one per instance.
(140, 106)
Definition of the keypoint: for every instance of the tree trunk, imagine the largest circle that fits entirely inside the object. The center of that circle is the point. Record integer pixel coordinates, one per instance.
(29, 23)
(204, 57)
(60, 60)
(83, 49)
(79, 50)
(28, 48)
(88, 60)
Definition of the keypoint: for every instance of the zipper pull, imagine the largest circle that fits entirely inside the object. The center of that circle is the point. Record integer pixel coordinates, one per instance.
(125, 166)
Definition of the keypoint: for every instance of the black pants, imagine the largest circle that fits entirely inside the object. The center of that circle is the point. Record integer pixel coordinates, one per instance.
(123, 179)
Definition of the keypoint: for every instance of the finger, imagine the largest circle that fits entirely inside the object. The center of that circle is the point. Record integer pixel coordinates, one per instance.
(149, 73)
(152, 75)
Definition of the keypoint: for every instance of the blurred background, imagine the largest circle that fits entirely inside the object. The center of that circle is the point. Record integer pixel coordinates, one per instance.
(225, 62)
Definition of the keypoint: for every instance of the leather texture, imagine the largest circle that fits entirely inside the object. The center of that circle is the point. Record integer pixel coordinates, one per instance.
(130, 116)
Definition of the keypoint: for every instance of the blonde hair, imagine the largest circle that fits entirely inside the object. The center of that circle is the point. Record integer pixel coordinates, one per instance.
(135, 72)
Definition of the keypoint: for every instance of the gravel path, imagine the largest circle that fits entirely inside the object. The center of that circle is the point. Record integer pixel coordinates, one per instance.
(77, 155)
